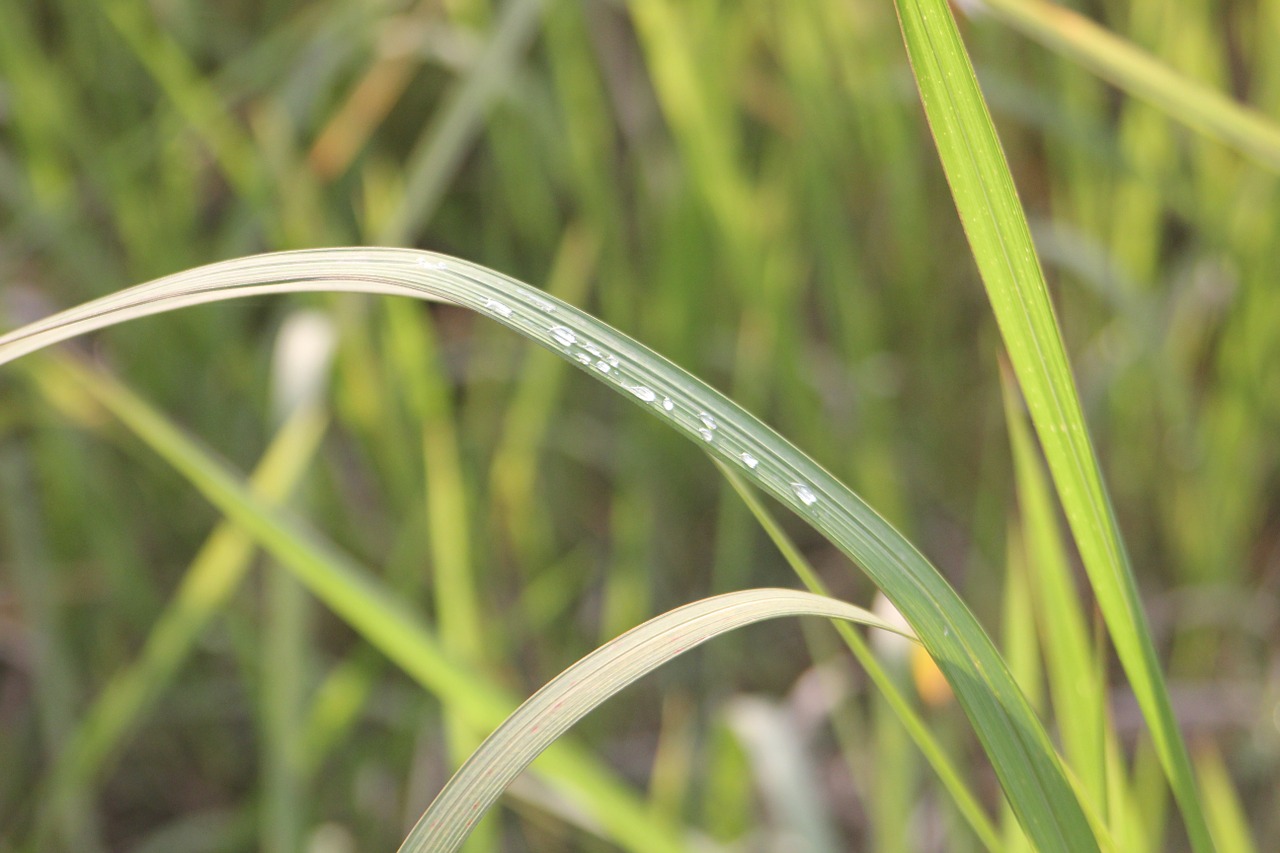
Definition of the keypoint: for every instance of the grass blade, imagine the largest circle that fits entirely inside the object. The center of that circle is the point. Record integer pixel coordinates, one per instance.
(578, 690)
(1011, 734)
(996, 227)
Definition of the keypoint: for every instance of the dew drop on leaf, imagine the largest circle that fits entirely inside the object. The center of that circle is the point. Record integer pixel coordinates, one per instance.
(497, 307)
(804, 493)
(642, 392)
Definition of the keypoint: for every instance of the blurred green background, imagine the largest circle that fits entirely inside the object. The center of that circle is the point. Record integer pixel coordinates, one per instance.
(746, 187)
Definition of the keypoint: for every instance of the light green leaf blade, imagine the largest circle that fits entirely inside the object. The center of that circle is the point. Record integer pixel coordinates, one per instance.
(996, 227)
(578, 690)
(1010, 732)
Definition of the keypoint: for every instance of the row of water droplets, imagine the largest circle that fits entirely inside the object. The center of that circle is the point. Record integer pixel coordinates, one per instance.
(591, 355)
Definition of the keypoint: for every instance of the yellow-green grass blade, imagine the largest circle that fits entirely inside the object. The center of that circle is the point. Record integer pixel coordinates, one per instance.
(578, 690)
(948, 773)
(1142, 75)
(381, 619)
(1010, 732)
(996, 227)
(1226, 813)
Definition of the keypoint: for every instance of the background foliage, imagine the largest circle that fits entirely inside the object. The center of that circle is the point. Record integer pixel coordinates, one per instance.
(748, 188)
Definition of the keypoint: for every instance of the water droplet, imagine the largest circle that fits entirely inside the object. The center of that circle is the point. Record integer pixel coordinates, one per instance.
(748, 460)
(602, 366)
(430, 264)
(707, 421)
(497, 307)
(538, 301)
(705, 433)
(582, 357)
(804, 493)
(642, 392)
(667, 404)
(612, 359)
(563, 335)
(593, 349)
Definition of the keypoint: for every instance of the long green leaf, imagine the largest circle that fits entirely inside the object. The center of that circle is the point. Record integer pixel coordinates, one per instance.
(1010, 732)
(581, 688)
(1001, 241)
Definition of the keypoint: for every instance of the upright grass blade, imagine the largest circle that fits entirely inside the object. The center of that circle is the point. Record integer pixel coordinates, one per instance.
(1013, 737)
(1001, 241)
(1137, 72)
(578, 690)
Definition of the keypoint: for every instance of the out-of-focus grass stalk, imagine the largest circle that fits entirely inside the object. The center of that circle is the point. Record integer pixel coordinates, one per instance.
(182, 83)
(444, 140)
(1226, 813)
(300, 368)
(50, 664)
(1142, 75)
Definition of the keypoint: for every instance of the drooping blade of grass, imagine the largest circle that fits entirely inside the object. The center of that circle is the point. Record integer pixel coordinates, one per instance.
(1010, 732)
(578, 690)
(381, 619)
(1137, 72)
(948, 773)
(1001, 241)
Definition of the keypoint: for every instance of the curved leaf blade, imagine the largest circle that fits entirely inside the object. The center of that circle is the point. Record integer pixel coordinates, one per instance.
(581, 688)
